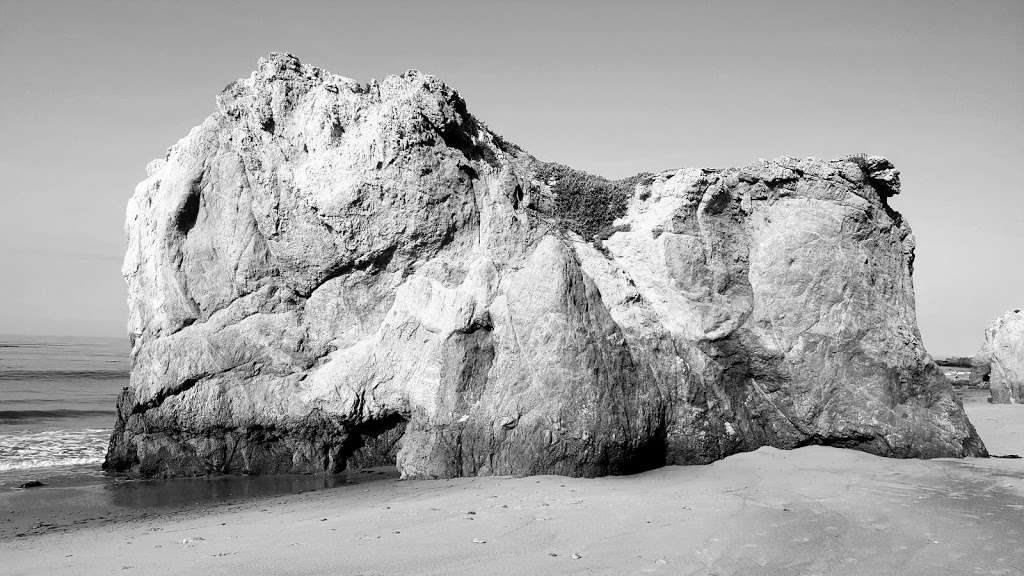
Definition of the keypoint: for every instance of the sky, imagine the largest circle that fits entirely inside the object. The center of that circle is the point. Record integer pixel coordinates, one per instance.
(90, 91)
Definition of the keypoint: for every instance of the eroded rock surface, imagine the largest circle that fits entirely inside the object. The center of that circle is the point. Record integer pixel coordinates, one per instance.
(326, 273)
(1000, 362)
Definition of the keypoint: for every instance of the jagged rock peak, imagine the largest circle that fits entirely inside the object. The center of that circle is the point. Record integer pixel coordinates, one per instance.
(325, 274)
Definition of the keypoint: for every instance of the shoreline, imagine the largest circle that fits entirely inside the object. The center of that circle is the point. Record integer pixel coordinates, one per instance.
(83, 496)
(812, 510)
(69, 502)
(809, 510)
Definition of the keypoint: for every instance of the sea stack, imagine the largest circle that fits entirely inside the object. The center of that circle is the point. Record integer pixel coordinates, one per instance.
(327, 274)
(1000, 362)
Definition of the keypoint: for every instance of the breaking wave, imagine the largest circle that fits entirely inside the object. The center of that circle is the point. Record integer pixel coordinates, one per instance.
(52, 448)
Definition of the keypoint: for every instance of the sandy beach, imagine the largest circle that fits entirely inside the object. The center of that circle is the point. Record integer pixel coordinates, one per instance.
(815, 510)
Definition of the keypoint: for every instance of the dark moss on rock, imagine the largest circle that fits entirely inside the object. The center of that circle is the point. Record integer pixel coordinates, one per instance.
(585, 203)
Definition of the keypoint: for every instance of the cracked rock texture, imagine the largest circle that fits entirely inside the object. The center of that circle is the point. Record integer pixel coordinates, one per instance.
(1000, 362)
(327, 274)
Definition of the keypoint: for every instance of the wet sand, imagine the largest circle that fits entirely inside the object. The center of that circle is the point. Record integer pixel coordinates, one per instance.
(69, 501)
(814, 510)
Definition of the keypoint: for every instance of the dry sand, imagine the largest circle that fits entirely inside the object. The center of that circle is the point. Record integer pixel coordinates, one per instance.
(809, 511)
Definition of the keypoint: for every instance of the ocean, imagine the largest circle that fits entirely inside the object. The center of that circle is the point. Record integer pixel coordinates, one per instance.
(57, 401)
(57, 410)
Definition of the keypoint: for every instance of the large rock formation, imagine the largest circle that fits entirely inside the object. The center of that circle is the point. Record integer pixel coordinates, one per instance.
(327, 273)
(1000, 362)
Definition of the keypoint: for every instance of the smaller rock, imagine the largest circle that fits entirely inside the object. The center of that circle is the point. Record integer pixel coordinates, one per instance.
(1000, 362)
(479, 541)
(192, 539)
(576, 556)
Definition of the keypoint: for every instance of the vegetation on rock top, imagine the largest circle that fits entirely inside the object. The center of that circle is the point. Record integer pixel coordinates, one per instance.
(588, 204)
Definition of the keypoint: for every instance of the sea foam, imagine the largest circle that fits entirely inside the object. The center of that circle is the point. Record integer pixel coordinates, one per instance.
(23, 451)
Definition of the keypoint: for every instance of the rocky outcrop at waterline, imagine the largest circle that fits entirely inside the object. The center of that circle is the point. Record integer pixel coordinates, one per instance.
(326, 273)
(1000, 362)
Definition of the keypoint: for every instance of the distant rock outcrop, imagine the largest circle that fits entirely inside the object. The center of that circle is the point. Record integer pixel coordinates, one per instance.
(1000, 362)
(327, 273)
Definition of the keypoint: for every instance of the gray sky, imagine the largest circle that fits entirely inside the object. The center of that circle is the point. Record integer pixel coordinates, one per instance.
(91, 91)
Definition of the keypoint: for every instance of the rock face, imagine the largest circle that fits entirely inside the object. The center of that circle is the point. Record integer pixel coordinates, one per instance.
(326, 274)
(1000, 362)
